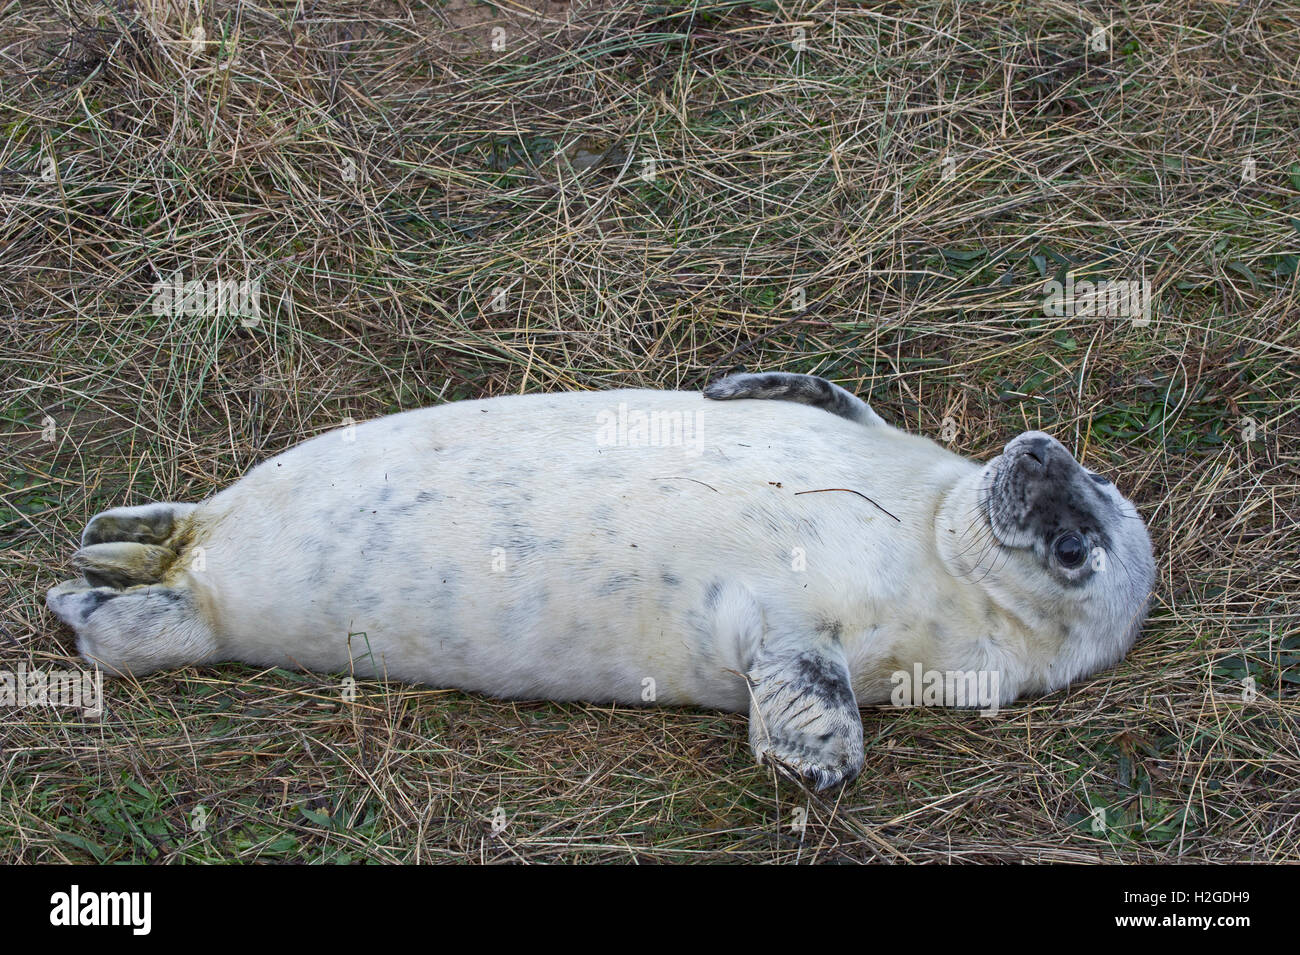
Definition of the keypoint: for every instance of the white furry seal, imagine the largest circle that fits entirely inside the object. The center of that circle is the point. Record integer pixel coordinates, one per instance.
(784, 557)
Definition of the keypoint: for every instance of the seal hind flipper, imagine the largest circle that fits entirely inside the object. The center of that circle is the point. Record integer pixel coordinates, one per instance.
(73, 601)
(132, 608)
(803, 716)
(804, 389)
(133, 631)
(122, 564)
(127, 546)
(156, 523)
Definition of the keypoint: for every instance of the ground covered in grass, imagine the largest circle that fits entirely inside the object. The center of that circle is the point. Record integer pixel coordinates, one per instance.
(453, 200)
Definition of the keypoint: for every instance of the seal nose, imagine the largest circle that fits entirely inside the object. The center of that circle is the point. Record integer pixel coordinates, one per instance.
(1034, 450)
(1038, 449)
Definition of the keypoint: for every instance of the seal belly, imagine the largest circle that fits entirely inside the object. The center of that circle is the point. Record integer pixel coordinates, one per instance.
(500, 546)
(484, 592)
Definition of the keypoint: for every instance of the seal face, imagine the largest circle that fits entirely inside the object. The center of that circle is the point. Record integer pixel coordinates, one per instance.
(788, 555)
(1062, 521)
(1040, 497)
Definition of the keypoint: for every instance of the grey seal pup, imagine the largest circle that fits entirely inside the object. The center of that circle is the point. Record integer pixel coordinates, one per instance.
(778, 550)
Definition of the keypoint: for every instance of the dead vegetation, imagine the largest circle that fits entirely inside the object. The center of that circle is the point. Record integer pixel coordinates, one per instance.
(443, 201)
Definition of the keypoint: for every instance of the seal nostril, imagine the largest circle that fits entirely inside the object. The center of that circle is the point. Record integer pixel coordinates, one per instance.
(1038, 449)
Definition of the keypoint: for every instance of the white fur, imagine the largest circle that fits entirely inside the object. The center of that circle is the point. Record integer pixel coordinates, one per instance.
(504, 546)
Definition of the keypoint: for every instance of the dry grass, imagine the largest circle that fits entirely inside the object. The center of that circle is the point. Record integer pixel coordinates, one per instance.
(775, 169)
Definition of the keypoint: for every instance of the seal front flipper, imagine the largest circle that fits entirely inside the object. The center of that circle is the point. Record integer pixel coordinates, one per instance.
(803, 717)
(803, 389)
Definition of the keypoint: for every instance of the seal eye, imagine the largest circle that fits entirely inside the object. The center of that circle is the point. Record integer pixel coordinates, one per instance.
(1069, 550)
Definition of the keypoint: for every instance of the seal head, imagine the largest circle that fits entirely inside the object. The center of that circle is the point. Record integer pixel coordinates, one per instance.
(1059, 547)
